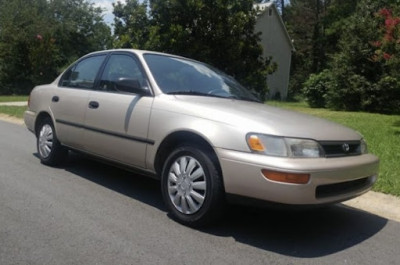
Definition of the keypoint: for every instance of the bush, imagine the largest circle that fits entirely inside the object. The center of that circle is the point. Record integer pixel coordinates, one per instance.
(347, 93)
(316, 87)
(383, 97)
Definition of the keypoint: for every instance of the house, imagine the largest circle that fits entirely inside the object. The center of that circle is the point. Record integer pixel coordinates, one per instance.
(276, 42)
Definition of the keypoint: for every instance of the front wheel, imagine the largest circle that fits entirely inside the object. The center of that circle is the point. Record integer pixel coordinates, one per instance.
(50, 151)
(192, 187)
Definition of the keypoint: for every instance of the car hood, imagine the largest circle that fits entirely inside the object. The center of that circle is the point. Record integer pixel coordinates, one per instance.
(260, 118)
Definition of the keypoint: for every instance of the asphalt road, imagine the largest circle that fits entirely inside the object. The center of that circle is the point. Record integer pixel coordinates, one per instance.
(89, 213)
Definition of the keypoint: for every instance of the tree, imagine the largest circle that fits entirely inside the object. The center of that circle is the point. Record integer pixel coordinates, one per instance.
(39, 38)
(131, 24)
(315, 26)
(363, 72)
(301, 23)
(367, 62)
(219, 32)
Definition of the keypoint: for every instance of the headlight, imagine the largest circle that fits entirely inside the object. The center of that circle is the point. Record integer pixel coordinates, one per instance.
(363, 147)
(283, 146)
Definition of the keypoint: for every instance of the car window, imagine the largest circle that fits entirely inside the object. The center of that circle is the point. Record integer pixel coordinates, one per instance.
(83, 74)
(119, 70)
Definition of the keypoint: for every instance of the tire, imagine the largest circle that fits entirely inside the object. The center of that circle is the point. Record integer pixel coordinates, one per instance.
(49, 149)
(192, 187)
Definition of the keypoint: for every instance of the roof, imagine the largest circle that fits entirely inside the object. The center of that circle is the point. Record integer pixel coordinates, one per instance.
(263, 7)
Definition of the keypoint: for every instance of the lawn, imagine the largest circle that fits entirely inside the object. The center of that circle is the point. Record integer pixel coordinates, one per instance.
(15, 111)
(382, 133)
(13, 98)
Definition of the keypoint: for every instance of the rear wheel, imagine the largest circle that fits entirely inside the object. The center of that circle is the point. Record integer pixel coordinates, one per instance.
(50, 151)
(192, 187)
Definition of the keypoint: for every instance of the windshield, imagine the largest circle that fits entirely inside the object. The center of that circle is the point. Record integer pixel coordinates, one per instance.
(186, 77)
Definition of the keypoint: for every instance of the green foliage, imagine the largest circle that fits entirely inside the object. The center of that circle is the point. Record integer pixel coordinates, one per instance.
(310, 25)
(362, 56)
(38, 38)
(14, 111)
(13, 98)
(383, 96)
(347, 93)
(219, 32)
(366, 78)
(316, 87)
(131, 25)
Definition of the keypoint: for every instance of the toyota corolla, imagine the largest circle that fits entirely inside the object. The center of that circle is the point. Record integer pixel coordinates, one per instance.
(207, 138)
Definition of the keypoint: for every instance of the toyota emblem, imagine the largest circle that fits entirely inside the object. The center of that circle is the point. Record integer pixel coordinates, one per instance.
(346, 147)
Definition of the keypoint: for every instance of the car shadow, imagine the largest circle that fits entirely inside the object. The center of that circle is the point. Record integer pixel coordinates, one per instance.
(305, 234)
(130, 184)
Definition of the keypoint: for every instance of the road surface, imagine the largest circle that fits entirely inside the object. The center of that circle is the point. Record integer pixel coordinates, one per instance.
(89, 213)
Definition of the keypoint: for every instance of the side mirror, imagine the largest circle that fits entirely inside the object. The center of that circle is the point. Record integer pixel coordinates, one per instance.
(131, 85)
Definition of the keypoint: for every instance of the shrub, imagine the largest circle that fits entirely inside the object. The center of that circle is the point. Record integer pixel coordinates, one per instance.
(316, 87)
(347, 93)
(383, 97)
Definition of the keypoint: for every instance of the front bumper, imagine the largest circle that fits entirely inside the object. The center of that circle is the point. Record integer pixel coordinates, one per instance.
(331, 179)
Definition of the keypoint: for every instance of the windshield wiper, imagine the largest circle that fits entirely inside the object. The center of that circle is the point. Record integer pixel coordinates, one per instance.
(196, 93)
(251, 99)
(187, 92)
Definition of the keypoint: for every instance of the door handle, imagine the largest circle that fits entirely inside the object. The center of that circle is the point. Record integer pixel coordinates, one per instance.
(55, 99)
(93, 105)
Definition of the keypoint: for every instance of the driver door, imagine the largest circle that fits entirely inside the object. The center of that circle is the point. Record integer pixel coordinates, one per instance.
(116, 122)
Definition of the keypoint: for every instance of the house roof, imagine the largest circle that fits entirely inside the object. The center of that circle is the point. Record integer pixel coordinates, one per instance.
(263, 7)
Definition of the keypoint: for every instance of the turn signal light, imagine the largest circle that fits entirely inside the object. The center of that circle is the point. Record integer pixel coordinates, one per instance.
(286, 177)
(255, 143)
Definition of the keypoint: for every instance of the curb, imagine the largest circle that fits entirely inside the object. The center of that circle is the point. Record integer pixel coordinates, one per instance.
(384, 205)
(11, 119)
(16, 103)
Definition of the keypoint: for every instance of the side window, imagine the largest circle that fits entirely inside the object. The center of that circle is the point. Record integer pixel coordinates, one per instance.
(83, 74)
(122, 73)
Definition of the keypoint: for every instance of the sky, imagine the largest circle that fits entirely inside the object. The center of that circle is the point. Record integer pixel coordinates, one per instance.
(106, 5)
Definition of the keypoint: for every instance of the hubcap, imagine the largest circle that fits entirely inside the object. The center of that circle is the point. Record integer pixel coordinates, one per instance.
(45, 141)
(186, 185)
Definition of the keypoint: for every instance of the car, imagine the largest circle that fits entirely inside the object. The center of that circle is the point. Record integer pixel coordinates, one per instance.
(208, 139)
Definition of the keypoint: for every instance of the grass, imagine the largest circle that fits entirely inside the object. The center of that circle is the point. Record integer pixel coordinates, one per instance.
(14, 111)
(382, 133)
(13, 98)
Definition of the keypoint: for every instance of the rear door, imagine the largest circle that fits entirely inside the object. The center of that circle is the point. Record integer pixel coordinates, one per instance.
(70, 99)
(116, 122)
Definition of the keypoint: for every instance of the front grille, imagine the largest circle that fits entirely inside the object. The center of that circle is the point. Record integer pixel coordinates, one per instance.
(330, 190)
(338, 149)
